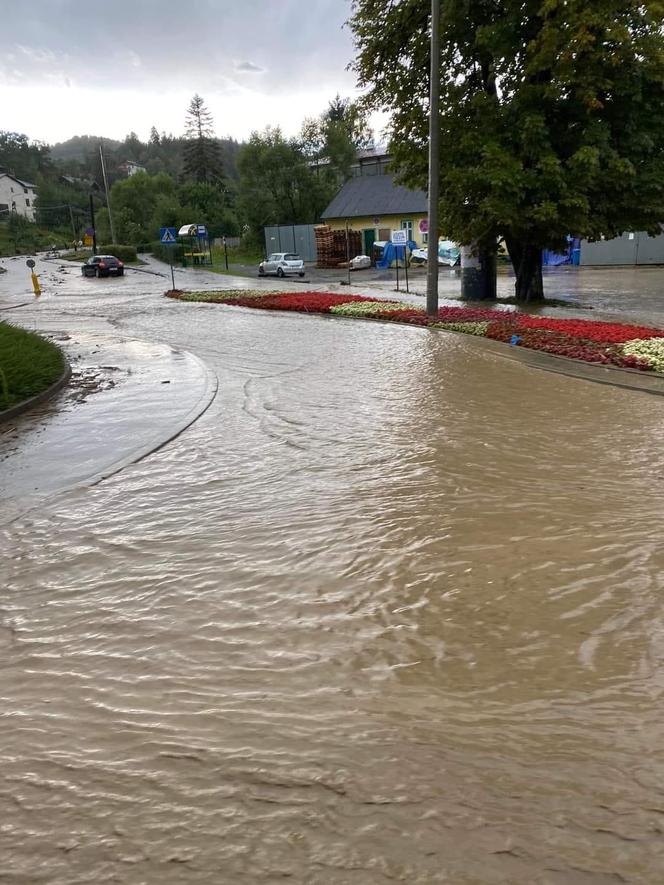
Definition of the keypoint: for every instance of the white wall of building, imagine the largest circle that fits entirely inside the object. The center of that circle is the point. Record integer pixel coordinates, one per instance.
(16, 196)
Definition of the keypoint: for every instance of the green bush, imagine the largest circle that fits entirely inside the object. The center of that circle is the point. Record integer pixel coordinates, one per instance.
(144, 247)
(123, 253)
(168, 253)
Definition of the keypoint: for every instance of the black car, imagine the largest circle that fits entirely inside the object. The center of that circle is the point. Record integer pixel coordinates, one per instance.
(103, 266)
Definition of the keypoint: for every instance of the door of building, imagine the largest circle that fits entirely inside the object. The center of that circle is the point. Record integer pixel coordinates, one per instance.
(369, 238)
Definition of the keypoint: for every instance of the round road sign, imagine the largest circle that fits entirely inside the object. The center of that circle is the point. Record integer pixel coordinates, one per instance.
(30, 263)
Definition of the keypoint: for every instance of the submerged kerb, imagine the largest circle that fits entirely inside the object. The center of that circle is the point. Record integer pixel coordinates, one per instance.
(591, 341)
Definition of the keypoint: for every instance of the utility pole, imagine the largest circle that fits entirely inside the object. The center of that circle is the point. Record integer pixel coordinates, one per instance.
(71, 218)
(94, 229)
(108, 200)
(434, 167)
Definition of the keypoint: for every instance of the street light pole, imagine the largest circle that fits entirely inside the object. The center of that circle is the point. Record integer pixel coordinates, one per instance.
(434, 167)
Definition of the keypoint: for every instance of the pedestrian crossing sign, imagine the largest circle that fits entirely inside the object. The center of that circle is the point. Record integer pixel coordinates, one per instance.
(168, 236)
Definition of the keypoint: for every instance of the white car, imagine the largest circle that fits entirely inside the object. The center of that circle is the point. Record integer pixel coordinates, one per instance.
(282, 263)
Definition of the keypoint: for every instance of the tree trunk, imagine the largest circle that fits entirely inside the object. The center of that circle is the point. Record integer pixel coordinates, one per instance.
(478, 273)
(527, 263)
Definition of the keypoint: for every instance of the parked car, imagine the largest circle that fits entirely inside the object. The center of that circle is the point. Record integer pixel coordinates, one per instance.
(282, 263)
(103, 266)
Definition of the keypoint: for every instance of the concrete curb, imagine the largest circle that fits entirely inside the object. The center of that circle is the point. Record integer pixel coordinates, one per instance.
(13, 306)
(42, 397)
(613, 376)
(37, 482)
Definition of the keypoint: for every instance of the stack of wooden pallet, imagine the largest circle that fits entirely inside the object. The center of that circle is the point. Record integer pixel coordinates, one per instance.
(324, 246)
(333, 247)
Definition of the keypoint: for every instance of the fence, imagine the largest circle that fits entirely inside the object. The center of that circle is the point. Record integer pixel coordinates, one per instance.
(631, 248)
(291, 238)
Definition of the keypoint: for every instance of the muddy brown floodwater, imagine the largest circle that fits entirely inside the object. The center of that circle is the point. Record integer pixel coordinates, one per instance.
(391, 610)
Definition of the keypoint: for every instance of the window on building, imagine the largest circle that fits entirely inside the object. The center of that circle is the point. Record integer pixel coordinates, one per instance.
(425, 238)
(27, 202)
(25, 190)
(408, 226)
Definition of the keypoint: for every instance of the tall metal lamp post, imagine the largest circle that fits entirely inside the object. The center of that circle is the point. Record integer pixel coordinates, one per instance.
(434, 169)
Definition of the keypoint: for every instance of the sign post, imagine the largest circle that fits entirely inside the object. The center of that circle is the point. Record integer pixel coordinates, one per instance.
(405, 265)
(225, 252)
(400, 238)
(168, 237)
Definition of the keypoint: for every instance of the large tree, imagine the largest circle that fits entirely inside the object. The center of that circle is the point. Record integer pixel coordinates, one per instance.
(552, 116)
(22, 157)
(278, 183)
(202, 153)
(336, 136)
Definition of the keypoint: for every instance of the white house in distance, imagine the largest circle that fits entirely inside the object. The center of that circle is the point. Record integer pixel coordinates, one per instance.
(130, 168)
(16, 196)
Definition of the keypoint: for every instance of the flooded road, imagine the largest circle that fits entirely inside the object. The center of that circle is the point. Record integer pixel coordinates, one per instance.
(390, 610)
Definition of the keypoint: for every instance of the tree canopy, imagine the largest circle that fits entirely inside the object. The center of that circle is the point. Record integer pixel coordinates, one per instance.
(278, 184)
(283, 180)
(551, 121)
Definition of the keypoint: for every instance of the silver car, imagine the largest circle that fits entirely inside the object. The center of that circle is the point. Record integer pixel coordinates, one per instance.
(282, 263)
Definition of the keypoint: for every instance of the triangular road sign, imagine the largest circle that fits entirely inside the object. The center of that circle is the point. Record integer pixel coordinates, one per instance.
(168, 236)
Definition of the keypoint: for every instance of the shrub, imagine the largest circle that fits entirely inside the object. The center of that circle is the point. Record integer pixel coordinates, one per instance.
(168, 253)
(122, 253)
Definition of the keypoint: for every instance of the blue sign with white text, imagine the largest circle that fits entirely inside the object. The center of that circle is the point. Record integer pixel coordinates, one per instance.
(168, 236)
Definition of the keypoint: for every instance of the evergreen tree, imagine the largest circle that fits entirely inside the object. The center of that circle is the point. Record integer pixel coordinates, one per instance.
(133, 146)
(202, 153)
(154, 136)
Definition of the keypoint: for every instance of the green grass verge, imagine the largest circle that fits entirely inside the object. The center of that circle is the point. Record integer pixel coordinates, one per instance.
(28, 365)
(237, 256)
(81, 255)
(241, 262)
(26, 239)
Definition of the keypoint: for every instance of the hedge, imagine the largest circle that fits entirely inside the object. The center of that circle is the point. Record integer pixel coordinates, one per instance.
(123, 253)
(168, 253)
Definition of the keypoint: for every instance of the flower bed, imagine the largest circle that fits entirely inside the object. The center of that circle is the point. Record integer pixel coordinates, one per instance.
(650, 350)
(615, 344)
(368, 308)
(469, 328)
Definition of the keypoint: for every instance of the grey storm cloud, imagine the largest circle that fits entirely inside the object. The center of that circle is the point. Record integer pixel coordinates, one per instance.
(248, 67)
(134, 44)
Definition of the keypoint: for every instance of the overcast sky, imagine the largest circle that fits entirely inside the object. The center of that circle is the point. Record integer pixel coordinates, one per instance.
(106, 67)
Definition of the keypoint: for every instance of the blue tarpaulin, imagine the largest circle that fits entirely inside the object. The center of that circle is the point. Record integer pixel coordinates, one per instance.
(393, 253)
(555, 259)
